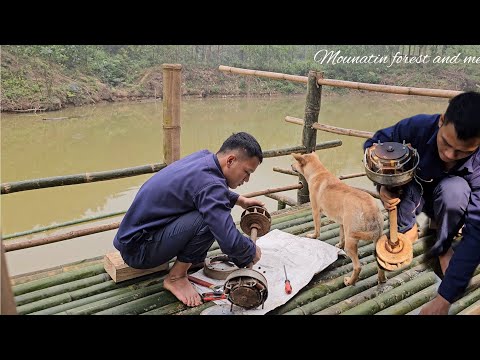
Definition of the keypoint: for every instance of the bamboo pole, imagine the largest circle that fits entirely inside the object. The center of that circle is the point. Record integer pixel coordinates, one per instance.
(169, 309)
(141, 305)
(288, 214)
(61, 303)
(340, 177)
(473, 309)
(282, 198)
(309, 135)
(7, 306)
(392, 297)
(300, 149)
(346, 84)
(113, 301)
(412, 302)
(172, 97)
(58, 279)
(266, 74)
(285, 171)
(330, 128)
(290, 223)
(55, 238)
(278, 214)
(312, 109)
(391, 89)
(65, 224)
(61, 288)
(8, 188)
(42, 274)
(273, 190)
(468, 299)
(44, 305)
(197, 309)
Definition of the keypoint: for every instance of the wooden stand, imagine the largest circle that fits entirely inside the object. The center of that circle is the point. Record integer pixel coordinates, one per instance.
(119, 271)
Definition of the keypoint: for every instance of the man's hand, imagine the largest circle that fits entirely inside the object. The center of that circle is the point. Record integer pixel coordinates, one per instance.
(256, 258)
(247, 202)
(390, 199)
(437, 306)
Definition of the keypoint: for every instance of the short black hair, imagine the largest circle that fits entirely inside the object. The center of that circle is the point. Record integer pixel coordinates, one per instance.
(243, 141)
(464, 113)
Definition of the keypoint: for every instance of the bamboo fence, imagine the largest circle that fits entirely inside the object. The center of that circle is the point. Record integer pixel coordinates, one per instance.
(403, 90)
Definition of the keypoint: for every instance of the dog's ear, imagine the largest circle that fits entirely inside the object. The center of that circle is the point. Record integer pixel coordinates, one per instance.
(299, 158)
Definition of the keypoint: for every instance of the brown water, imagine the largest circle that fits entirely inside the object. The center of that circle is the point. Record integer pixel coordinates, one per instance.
(113, 136)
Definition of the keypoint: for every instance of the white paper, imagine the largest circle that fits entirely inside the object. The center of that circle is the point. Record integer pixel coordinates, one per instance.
(302, 257)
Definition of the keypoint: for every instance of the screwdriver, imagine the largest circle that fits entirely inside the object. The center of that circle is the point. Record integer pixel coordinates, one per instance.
(288, 287)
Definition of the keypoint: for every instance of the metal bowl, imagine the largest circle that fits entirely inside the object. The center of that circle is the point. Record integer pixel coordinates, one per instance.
(391, 180)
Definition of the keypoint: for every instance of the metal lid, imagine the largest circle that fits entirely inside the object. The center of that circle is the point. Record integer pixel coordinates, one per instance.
(390, 151)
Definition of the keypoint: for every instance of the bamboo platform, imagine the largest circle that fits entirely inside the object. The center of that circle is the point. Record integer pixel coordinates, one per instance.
(85, 288)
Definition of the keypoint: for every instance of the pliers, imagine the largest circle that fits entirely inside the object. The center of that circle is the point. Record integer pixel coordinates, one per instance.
(211, 296)
(217, 289)
(216, 294)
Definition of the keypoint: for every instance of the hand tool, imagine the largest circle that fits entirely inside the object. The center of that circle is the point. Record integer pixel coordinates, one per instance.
(211, 296)
(217, 289)
(288, 287)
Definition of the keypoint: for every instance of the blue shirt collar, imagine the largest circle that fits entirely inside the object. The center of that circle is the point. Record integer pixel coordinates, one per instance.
(433, 138)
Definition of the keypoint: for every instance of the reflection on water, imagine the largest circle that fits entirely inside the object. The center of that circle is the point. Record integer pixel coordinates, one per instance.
(121, 135)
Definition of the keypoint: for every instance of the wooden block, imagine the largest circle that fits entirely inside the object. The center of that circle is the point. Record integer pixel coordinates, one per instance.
(119, 271)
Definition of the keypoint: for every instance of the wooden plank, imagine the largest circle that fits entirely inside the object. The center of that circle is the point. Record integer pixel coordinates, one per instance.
(120, 271)
(7, 302)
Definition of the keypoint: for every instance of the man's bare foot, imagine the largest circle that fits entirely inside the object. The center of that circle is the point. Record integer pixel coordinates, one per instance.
(412, 234)
(445, 260)
(182, 289)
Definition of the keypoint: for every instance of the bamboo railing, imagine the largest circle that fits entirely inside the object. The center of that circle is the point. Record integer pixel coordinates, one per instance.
(330, 128)
(107, 227)
(8, 188)
(403, 90)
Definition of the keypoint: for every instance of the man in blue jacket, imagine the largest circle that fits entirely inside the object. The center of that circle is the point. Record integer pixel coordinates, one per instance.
(183, 208)
(448, 189)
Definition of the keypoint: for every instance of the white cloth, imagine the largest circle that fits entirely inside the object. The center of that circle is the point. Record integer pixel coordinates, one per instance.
(302, 257)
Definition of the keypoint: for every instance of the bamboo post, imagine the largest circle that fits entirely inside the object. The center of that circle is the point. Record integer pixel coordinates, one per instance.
(8, 303)
(172, 82)
(309, 135)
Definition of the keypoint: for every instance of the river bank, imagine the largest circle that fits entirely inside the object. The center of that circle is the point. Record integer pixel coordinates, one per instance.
(32, 84)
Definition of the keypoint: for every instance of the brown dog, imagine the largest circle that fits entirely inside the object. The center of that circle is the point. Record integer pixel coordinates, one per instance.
(356, 211)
